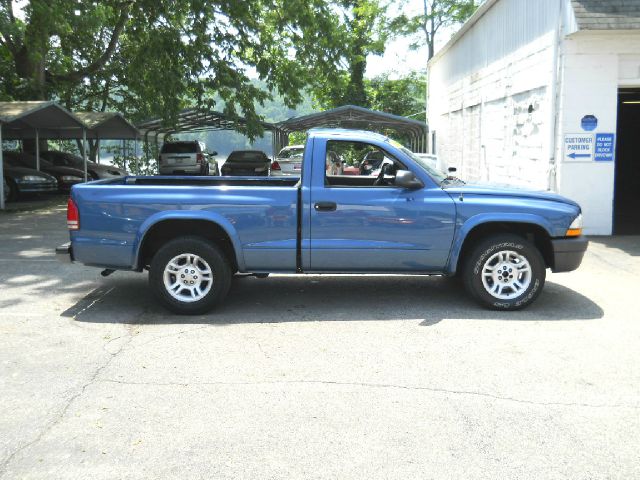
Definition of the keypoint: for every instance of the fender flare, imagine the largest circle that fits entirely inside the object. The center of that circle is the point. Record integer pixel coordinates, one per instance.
(462, 231)
(207, 216)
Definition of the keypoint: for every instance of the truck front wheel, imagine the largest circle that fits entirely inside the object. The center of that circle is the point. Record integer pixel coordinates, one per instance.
(189, 275)
(504, 272)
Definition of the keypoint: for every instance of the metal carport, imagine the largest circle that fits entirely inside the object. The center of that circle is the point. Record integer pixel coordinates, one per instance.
(35, 120)
(195, 120)
(352, 116)
(47, 119)
(109, 126)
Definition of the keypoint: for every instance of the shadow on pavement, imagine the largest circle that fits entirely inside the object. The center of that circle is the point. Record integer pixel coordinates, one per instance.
(630, 244)
(426, 300)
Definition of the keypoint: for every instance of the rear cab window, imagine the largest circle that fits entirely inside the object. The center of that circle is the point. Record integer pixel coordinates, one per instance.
(247, 157)
(181, 147)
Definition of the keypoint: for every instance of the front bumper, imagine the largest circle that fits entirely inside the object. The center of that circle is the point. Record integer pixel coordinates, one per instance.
(64, 253)
(37, 187)
(568, 253)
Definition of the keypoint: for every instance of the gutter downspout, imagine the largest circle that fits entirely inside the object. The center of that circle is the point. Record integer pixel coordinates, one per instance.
(555, 98)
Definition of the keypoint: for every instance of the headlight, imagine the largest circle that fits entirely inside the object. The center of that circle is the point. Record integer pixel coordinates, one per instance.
(31, 179)
(575, 229)
(70, 178)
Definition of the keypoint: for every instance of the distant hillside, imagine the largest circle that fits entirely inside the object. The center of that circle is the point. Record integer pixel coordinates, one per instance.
(225, 142)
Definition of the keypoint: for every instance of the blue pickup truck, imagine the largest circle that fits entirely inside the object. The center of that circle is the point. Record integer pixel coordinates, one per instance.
(194, 233)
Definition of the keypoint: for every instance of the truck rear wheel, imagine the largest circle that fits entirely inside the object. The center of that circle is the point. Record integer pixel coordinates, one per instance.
(504, 272)
(189, 275)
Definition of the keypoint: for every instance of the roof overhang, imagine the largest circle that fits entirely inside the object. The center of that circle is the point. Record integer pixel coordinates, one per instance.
(21, 120)
(108, 126)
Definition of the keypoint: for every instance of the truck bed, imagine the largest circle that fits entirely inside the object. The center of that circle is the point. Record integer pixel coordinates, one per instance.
(116, 213)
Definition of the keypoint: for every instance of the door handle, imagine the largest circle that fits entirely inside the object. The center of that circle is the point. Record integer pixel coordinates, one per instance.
(325, 206)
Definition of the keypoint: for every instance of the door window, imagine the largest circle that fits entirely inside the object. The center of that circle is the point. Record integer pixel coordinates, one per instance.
(357, 164)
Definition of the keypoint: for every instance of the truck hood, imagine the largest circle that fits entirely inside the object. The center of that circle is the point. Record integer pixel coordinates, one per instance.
(497, 190)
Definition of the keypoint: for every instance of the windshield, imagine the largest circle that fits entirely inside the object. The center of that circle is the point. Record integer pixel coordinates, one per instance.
(290, 152)
(437, 175)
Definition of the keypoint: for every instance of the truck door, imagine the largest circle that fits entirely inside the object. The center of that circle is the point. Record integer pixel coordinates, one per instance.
(360, 222)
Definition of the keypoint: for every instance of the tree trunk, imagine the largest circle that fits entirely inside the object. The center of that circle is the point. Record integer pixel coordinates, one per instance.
(356, 93)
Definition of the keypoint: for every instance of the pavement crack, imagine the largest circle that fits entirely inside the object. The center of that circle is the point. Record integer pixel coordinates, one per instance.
(383, 386)
(61, 414)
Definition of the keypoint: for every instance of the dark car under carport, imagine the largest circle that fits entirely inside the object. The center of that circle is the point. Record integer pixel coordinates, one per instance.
(66, 177)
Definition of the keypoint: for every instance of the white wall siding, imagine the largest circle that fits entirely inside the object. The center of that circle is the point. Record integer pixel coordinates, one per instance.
(480, 90)
(482, 123)
(506, 27)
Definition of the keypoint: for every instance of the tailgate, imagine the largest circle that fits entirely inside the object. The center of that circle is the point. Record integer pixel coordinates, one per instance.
(179, 159)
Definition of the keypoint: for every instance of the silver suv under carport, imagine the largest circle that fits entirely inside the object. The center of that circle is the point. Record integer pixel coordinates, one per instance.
(186, 158)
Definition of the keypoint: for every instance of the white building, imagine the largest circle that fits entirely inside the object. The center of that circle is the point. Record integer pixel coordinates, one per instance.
(546, 94)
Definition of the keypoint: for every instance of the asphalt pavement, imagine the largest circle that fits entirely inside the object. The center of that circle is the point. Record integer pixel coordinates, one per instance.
(310, 377)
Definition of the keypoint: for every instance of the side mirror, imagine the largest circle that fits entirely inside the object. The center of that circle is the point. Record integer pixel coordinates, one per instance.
(407, 179)
(452, 169)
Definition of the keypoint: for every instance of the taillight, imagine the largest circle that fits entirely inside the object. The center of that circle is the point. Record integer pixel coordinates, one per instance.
(73, 217)
(275, 165)
(200, 158)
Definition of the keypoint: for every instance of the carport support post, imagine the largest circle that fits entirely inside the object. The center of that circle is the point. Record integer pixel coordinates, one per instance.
(84, 152)
(37, 150)
(124, 156)
(1, 173)
(137, 169)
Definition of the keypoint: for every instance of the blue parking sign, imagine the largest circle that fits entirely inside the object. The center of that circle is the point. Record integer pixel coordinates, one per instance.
(605, 147)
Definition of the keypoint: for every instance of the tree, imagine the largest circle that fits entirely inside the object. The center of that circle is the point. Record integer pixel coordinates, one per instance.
(363, 32)
(435, 15)
(403, 96)
(154, 57)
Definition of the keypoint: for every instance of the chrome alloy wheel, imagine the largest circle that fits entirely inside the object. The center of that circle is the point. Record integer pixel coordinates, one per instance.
(506, 275)
(188, 278)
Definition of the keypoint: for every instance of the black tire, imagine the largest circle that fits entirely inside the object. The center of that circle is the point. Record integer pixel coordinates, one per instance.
(215, 258)
(472, 272)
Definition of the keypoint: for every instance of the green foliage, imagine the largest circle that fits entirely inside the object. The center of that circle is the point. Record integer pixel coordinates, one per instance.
(436, 15)
(126, 159)
(363, 32)
(149, 58)
(403, 96)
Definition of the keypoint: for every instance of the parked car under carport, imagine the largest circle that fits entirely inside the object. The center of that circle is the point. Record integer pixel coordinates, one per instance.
(252, 163)
(20, 180)
(66, 176)
(95, 170)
